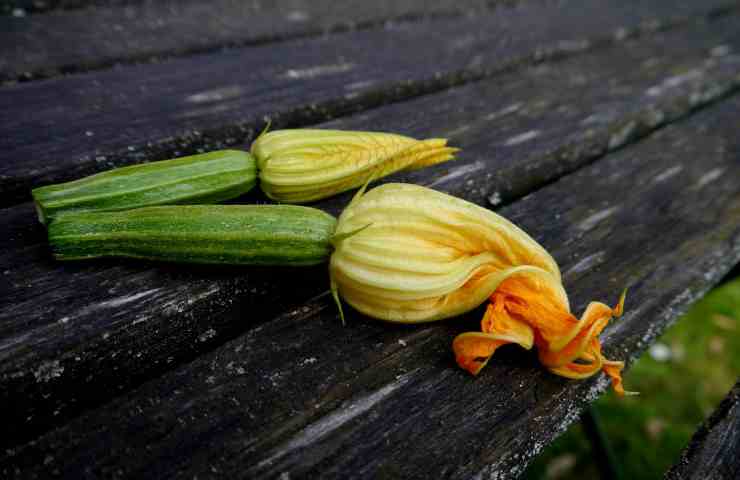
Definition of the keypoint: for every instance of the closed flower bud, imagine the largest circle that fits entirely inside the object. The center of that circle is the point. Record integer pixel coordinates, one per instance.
(303, 165)
(405, 253)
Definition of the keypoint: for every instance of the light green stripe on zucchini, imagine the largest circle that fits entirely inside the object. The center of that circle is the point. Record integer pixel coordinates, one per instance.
(212, 234)
(198, 179)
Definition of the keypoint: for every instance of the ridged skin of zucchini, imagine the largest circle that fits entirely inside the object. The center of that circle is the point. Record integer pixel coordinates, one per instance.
(211, 234)
(198, 179)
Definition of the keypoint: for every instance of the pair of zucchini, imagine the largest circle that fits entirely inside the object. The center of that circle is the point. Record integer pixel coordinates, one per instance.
(149, 211)
(159, 210)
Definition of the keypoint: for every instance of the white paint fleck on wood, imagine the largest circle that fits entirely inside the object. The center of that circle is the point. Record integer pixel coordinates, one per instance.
(671, 172)
(673, 82)
(494, 199)
(308, 361)
(326, 425)
(297, 16)
(586, 263)
(677, 80)
(523, 137)
(458, 172)
(215, 95)
(709, 177)
(359, 85)
(120, 301)
(205, 111)
(592, 220)
(513, 108)
(457, 131)
(319, 70)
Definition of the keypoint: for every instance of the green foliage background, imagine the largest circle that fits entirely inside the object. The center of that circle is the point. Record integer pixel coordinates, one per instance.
(681, 379)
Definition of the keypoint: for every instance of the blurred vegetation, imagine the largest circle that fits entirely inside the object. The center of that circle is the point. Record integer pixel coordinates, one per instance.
(681, 379)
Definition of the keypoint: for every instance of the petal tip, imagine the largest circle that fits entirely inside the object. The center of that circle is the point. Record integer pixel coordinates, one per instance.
(619, 308)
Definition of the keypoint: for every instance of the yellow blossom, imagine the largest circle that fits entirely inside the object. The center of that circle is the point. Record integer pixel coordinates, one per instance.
(303, 165)
(405, 253)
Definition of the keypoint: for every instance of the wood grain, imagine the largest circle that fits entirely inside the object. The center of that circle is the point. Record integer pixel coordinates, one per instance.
(712, 453)
(65, 128)
(81, 321)
(300, 395)
(40, 46)
(21, 8)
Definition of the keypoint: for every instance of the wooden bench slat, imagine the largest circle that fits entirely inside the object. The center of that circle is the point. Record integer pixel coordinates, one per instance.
(712, 453)
(65, 128)
(302, 395)
(41, 46)
(81, 321)
(8, 7)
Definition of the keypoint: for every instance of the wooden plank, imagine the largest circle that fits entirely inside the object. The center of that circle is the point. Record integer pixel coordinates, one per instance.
(21, 8)
(41, 46)
(63, 325)
(64, 128)
(300, 395)
(712, 453)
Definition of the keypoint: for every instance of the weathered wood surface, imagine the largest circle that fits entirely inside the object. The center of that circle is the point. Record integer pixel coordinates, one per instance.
(100, 37)
(714, 451)
(68, 127)
(20, 8)
(519, 131)
(300, 395)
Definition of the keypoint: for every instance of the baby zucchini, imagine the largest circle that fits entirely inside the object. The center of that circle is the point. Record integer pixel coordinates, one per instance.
(217, 234)
(207, 178)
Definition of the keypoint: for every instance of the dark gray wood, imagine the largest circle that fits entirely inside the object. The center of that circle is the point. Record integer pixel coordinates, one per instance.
(300, 395)
(21, 8)
(714, 451)
(41, 46)
(64, 326)
(65, 128)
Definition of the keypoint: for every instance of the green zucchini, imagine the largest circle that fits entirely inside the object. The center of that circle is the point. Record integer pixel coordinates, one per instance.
(206, 178)
(215, 234)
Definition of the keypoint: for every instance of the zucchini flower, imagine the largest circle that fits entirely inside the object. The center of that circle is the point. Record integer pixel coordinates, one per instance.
(303, 165)
(405, 253)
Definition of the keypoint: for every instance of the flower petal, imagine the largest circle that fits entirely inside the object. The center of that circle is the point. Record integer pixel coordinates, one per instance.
(566, 346)
(474, 349)
(302, 165)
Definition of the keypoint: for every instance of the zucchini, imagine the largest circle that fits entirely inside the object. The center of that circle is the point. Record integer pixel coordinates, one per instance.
(211, 234)
(205, 178)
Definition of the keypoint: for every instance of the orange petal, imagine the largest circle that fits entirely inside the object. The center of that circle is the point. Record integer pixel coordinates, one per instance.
(596, 313)
(474, 349)
(576, 347)
(614, 370)
(524, 308)
(591, 361)
(538, 305)
(578, 371)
